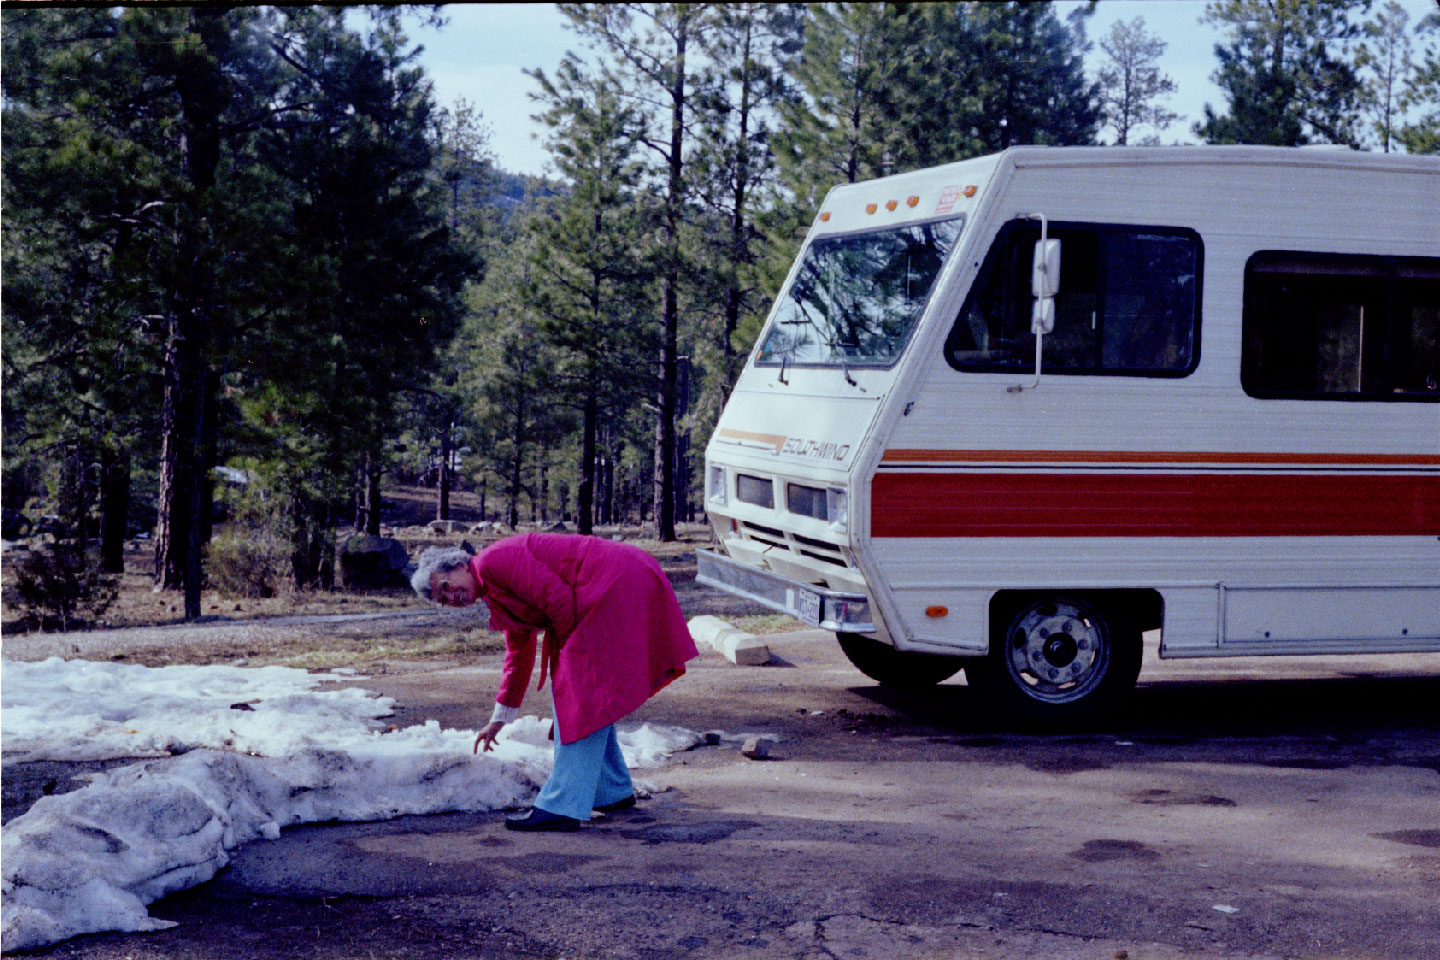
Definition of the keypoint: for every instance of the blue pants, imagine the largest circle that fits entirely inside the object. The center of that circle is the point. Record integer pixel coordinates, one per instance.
(588, 773)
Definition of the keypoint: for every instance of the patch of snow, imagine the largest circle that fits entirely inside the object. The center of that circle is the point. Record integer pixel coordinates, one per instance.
(90, 860)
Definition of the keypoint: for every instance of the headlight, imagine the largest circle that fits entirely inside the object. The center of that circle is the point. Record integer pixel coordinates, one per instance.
(715, 488)
(837, 508)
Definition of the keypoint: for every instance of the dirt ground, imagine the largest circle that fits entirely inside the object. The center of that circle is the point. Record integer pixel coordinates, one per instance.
(1243, 808)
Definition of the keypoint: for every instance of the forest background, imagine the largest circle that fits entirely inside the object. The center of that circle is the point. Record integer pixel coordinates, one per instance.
(246, 246)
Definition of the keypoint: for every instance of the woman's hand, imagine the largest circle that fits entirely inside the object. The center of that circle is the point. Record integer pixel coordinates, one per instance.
(487, 736)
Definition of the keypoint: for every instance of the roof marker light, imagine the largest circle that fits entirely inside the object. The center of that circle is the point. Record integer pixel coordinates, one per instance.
(825, 216)
(969, 191)
(936, 611)
(911, 201)
(890, 204)
(870, 208)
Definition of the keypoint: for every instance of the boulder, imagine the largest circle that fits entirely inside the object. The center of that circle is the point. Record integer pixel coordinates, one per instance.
(372, 563)
(443, 526)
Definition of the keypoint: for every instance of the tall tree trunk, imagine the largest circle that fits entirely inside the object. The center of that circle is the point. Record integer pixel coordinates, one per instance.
(608, 478)
(585, 505)
(178, 546)
(517, 465)
(442, 507)
(670, 320)
(372, 494)
(114, 506)
(738, 246)
(208, 453)
(177, 466)
(198, 528)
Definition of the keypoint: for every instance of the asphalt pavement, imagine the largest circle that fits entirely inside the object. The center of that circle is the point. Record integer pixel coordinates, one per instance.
(1265, 808)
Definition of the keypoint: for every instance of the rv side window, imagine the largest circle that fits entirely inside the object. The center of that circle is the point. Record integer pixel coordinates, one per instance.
(1129, 303)
(1329, 326)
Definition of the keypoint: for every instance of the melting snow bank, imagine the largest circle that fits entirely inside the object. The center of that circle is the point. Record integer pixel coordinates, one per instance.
(90, 860)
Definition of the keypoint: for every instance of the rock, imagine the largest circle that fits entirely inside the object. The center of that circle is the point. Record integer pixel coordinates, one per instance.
(804, 930)
(757, 748)
(491, 528)
(711, 738)
(443, 526)
(734, 645)
(372, 563)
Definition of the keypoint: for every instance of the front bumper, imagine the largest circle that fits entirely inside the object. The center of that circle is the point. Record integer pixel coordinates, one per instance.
(817, 606)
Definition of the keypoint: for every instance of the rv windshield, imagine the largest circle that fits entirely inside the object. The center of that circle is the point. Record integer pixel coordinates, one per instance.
(857, 297)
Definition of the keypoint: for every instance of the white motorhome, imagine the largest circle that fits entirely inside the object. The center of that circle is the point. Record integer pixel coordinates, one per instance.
(1009, 413)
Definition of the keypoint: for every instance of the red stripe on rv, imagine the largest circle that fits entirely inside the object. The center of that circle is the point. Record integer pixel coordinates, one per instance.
(1152, 505)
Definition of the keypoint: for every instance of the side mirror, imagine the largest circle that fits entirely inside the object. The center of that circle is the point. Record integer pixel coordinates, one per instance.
(1042, 316)
(1045, 273)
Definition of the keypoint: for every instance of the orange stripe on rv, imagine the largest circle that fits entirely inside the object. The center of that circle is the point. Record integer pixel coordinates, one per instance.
(1159, 456)
(774, 439)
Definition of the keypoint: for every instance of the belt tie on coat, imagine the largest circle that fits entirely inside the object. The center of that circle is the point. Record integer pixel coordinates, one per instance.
(549, 659)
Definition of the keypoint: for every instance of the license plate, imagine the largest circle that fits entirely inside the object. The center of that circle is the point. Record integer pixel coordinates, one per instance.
(808, 605)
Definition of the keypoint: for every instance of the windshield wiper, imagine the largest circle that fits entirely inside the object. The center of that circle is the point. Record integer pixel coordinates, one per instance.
(845, 368)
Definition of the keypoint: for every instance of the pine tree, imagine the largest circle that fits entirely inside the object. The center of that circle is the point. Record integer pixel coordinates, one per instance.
(886, 88)
(1131, 84)
(1422, 91)
(652, 46)
(513, 409)
(1285, 72)
(163, 103)
(1382, 57)
(588, 278)
(751, 48)
(370, 230)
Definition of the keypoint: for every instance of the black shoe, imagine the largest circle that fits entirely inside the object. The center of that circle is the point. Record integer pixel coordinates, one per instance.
(628, 803)
(536, 819)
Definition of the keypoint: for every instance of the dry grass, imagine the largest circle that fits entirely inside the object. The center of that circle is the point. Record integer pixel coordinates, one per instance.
(255, 639)
(766, 623)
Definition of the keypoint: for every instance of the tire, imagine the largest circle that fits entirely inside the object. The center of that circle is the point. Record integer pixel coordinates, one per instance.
(892, 668)
(1058, 661)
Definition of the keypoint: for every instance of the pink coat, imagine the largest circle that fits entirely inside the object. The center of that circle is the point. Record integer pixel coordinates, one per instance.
(614, 631)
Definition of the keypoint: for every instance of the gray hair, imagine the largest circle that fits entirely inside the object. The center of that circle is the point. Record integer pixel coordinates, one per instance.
(435, 560)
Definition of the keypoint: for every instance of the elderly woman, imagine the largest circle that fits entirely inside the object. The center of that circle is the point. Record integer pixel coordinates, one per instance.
(614, 635)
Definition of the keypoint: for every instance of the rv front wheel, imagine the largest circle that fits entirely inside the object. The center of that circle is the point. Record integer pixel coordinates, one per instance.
(891, 668)
(1059, 659)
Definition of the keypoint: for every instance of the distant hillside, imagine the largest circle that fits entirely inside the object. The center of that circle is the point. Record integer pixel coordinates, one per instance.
(508, 189)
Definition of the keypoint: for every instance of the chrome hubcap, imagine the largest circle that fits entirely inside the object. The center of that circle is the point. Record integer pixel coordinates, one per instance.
(1058, 651)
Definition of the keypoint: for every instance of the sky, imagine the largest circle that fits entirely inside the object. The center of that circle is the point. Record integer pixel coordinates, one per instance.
(481, 53)
(242, 753)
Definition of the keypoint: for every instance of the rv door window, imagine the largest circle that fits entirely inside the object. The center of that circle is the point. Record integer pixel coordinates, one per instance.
(1329, 326)
(856, 298)
(1129, 303)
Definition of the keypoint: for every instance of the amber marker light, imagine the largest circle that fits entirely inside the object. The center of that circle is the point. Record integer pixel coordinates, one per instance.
(825, 216)
(937, 611)
(911, 201)
(969, 191)
(891, 204)
(870, 208)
